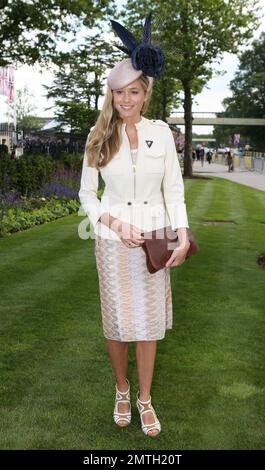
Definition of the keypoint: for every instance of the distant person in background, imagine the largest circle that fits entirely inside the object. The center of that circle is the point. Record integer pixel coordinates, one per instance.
(230, 161)
(198, 152)
(13, 152)
(209, 156)
(201, 154)
(180, 153)
(193, 155)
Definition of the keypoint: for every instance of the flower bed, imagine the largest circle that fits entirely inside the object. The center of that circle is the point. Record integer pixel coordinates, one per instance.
(45, 191)
(27, 213)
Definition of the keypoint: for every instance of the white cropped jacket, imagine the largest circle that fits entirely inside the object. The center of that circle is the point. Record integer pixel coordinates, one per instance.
(149, 197)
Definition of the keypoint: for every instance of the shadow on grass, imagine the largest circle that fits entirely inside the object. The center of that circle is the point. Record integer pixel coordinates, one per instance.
(197, 177)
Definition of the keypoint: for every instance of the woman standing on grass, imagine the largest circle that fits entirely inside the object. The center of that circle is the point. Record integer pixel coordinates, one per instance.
(134, 156)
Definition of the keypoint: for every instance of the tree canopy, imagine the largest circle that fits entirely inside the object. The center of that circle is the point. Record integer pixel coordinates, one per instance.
(30, 30)
(78, 82)
(248, 91)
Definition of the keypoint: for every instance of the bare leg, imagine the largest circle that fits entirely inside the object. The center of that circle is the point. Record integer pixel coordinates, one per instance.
(118, 352)
(145, 356)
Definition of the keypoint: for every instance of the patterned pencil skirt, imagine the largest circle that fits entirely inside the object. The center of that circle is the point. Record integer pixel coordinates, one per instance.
(135, 305)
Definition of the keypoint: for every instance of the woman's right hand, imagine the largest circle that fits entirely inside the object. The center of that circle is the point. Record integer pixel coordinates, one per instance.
(129, 234)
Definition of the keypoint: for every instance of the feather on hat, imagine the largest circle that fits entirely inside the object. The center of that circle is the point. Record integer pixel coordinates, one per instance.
(144, 57)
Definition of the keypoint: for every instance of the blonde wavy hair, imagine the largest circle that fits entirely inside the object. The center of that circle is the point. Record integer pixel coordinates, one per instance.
(104, 140)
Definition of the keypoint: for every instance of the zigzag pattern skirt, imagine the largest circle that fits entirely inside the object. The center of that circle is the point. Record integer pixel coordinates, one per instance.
(135, 305)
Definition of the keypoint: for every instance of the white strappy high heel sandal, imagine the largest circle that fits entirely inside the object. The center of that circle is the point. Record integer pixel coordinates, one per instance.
(146, 407)
(122, 397)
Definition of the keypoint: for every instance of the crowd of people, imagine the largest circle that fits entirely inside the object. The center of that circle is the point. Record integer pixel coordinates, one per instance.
(201, 153)
(53, 146)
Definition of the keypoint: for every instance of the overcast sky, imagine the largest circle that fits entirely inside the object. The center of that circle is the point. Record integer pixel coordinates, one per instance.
(209, 100)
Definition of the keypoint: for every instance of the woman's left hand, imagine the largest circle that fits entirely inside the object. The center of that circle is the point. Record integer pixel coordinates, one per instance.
(178, 257)
(179, 254)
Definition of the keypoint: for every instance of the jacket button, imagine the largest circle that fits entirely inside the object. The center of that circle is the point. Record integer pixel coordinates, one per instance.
(129, 203)
(145, 202)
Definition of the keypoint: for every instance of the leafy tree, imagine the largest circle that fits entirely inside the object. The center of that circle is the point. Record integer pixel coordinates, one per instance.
(193, 34)
(24, 107)
(77, 115)
(29, 30)
(24, 103)
(78, 83)
(165, 97)
(248, 88)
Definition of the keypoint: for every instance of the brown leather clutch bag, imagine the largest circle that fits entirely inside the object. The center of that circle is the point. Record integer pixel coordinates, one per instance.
(160, 243)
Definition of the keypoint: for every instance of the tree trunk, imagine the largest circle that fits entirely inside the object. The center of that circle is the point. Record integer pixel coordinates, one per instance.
(188, 129)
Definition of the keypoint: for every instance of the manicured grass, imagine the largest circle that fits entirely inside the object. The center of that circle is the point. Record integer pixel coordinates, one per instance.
(57, 385)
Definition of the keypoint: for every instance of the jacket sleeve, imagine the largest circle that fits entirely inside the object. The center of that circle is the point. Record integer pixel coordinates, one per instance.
(173, 187)
(88, 192)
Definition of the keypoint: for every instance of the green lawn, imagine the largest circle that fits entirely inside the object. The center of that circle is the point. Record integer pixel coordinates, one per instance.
(57, 386)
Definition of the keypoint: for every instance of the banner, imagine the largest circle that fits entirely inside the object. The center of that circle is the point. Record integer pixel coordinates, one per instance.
(3, 81)
(7, 82)
(236, 139)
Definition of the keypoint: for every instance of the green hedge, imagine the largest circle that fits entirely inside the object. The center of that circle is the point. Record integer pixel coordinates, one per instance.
(31, 172)
(17, 220)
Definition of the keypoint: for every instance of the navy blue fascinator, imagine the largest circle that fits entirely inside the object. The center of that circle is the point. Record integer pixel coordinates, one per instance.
(144, 56)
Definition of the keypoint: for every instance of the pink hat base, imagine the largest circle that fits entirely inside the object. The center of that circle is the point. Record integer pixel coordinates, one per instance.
(123, 74)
